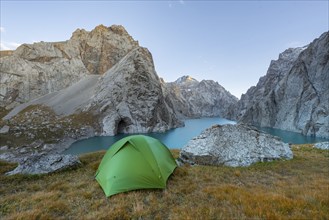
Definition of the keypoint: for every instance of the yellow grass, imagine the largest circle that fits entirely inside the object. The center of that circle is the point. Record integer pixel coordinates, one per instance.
(295, 189)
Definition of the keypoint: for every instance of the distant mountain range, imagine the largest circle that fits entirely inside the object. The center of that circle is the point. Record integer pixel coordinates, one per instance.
(193, 99)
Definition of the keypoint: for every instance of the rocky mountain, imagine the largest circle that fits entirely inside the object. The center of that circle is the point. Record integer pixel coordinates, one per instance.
(113, 89)
(294, 94)
(33, 70)
(207, 98)
(128, 98)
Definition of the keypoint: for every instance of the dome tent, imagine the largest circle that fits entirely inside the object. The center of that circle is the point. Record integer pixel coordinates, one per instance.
(135, 162)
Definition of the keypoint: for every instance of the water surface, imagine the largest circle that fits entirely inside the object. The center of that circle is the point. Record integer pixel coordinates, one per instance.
(177, 138)
(292, 137)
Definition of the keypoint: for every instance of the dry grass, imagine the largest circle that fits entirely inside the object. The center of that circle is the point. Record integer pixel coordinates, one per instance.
(295, 189)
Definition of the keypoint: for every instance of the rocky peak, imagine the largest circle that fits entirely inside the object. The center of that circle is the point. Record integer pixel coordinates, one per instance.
(276, 71)
(294, 94)
(44, 67)
(186, 80)
(200, 99)
(103, 47)
(101, 28)
(79, 34)
(281, 66)
(118, 29)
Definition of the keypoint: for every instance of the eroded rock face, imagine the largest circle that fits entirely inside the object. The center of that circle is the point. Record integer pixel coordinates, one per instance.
(294, 95)
(34, 70)
(233, 145)
(126, 99)
(200, 99)
(266, 84)
(130, 97)
(41, 164)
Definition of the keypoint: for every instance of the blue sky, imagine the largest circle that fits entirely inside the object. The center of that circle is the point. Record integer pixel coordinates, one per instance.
(231, 42)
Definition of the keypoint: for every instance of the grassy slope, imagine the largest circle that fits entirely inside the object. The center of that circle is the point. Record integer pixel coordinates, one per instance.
(42, 122)
(295, 189)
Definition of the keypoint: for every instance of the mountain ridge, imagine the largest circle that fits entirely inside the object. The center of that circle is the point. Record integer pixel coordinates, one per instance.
(297, 99)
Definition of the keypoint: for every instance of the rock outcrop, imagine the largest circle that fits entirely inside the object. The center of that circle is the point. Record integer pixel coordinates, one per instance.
(294, 94)
(41, 164)
(130, 97)
(126, 99)
(193, 99)
(233, 145)
(34, 70)
(322, 145)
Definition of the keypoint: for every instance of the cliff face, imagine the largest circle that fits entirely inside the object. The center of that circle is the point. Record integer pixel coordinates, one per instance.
(200, 99)
(34, 70)
(105, 83)
(266, 84)
(130, 97)
(294, 95)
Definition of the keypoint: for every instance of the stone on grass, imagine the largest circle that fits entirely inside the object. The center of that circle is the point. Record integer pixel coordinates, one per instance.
(4, 129)
(41, 164)
(234, 145)
(322, 145)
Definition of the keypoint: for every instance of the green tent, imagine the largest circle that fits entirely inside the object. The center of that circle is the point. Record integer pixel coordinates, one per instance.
(135, 162)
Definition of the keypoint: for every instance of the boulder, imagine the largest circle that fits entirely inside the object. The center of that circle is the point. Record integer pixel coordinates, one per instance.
(234, 145)
(4, 129)
(41, 164)
(4, 148)
(322, 145)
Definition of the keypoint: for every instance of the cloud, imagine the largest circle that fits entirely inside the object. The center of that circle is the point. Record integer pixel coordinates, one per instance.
(8, 45)
(172, 3)
(5, 45)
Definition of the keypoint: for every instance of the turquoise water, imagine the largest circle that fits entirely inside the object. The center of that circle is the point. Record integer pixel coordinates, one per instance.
(292, 137)
(177, 138)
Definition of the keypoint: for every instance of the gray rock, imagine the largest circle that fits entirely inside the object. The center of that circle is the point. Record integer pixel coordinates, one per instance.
(4, 148)
(41, 164)
(294, 94)
(127, 98)
(4, 129)
(34, 70)
(130, 97)
(8, 156)
(207, 98)
(234, 145)
(322, 145)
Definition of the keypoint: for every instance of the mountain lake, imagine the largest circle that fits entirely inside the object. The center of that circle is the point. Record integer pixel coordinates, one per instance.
(178, 137)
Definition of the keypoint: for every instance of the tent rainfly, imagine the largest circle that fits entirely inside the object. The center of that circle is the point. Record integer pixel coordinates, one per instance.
(135, 162)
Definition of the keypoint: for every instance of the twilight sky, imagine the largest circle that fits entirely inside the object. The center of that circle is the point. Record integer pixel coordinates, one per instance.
(231, 42)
